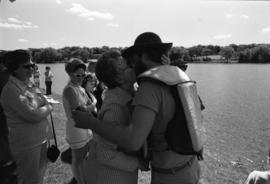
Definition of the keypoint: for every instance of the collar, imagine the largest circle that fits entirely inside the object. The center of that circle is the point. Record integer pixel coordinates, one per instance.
(72, 84)
(169, 74)
(20, 84)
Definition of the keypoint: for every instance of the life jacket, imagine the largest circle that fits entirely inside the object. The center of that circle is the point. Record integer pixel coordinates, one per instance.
(185, 133)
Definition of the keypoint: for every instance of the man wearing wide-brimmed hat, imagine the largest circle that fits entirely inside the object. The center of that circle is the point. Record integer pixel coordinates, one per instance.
(154, 106)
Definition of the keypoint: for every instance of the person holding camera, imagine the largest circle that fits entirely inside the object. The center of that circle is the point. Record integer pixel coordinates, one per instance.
(75, 97)
(26, 111)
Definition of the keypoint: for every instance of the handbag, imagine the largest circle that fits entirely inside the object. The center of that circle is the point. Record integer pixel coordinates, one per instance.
(53, 152)
(66, 156)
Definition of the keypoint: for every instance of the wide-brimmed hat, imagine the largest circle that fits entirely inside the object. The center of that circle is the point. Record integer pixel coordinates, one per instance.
(147, 40)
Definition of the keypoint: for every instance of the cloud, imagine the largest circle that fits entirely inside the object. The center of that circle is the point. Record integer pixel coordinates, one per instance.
(266, 30)
(13, 23)
(233, 15)
(230, 15)
(220, 37)
(59, 1)
(112, 25)
(79, 10)
(45, 44)
(14, 20)
(52, 44)
(244, 17)
(22, 40)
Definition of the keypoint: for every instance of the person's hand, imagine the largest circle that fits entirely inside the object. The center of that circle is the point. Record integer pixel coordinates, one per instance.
(90, 108)
(81, 118)
(165, 60)
(50, 106)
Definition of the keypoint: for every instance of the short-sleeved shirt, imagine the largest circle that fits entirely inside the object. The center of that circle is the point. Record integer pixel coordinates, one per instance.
(48, 76)
(159, 99)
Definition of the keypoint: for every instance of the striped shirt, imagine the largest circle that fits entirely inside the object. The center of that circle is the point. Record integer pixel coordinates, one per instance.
(115, 167)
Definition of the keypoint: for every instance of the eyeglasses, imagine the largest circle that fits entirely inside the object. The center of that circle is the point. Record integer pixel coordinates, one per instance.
(29, 66)
(79, 75)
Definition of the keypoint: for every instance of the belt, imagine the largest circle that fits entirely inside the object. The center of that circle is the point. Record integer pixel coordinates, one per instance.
(172, 170)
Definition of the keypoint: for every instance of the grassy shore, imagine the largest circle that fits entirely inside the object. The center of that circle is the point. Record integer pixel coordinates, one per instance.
(216, 169)
(58, 172)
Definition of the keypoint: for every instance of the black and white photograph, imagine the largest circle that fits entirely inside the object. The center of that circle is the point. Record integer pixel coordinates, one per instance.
(134, 92)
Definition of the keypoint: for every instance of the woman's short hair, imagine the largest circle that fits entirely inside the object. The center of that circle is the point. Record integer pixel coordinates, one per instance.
(74, 64)
(89, 77)
(105, 69)
(14, 59)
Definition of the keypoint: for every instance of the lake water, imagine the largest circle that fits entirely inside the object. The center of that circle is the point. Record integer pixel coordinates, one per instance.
(237, 116)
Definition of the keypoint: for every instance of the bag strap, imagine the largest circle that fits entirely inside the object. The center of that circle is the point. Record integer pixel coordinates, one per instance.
(54, 136)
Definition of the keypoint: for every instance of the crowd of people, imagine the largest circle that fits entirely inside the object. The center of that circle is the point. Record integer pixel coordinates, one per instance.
(116, 123)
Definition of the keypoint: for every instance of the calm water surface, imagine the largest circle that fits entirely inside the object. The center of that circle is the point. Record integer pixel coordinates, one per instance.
(237, 116)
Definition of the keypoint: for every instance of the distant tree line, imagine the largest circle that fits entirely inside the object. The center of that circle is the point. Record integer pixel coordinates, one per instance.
(52, 55)
(251, 53)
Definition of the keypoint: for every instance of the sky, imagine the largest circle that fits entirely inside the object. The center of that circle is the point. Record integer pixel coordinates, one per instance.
(116, 23)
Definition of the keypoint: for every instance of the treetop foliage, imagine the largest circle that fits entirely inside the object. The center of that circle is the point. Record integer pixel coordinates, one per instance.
(251, 53)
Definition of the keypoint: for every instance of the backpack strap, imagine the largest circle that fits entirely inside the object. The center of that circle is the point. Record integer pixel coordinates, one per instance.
(178, 116)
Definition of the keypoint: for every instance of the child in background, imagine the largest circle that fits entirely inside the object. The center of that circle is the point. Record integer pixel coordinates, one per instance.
(48, 80)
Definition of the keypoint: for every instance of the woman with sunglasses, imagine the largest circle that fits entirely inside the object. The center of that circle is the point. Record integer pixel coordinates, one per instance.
(75, 97)
(89, 84)
(26, 111)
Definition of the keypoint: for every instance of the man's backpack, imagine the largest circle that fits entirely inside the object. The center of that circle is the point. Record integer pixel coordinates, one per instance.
(185, 133)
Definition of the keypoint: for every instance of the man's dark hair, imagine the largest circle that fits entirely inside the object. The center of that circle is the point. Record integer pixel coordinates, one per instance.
(105, 69)
(154, 54)
(14, 59)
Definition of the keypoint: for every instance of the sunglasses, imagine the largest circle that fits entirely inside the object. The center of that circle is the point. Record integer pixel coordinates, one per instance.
(79, 75)
(29, 66)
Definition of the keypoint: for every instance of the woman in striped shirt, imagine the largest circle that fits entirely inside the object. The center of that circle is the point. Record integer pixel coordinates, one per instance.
(114, 166)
